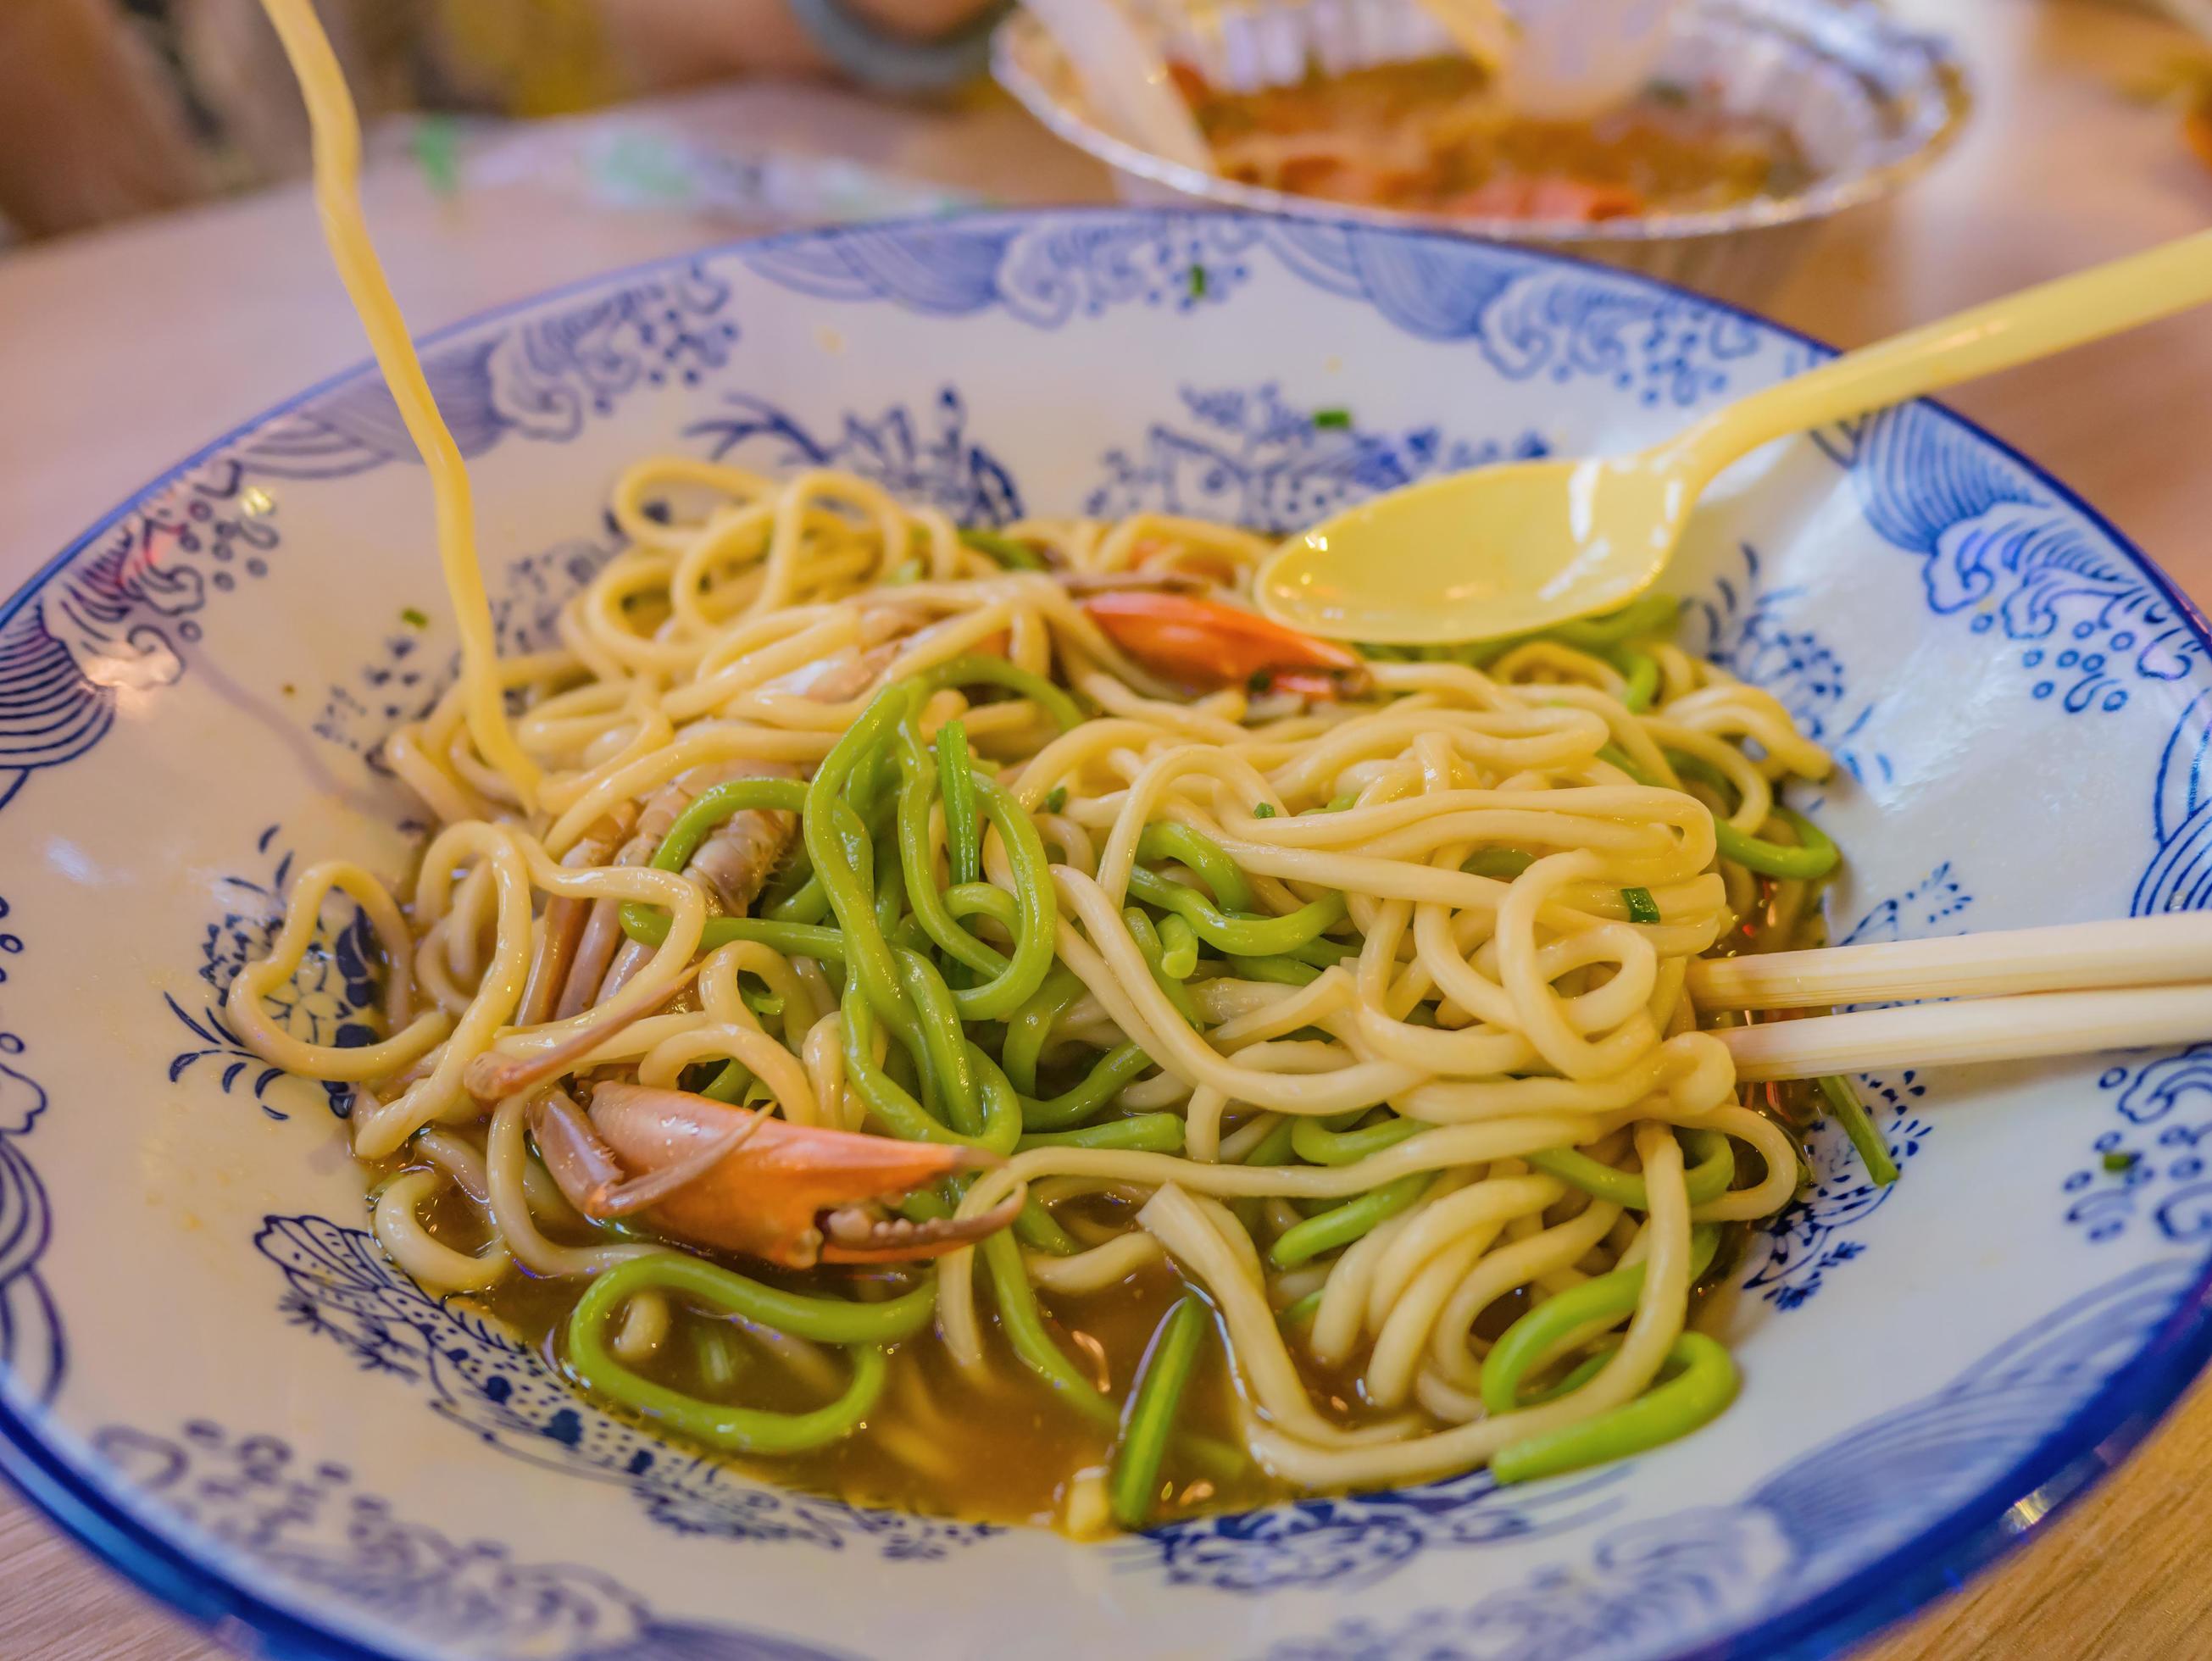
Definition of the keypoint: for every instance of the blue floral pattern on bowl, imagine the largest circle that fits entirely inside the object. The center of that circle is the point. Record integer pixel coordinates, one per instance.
(928, 458)
(310, 1520)
(324, 1003)
(2004, 552)
(1245, 456)
(32, 1346)
(1759, 632)
(1349, 1541)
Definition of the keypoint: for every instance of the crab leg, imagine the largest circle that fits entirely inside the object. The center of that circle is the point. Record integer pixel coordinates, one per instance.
(795, 1195)
(735, 862)
(856, 1234)
(593, 979)
(736, 859)
(498, 1074)
(602, 937)
(732, 863)
(1205, 642)
(565, 917)
(738, 855)
(592, 1179)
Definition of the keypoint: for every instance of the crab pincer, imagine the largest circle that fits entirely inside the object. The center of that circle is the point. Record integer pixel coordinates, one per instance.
(735, 1180)
(1205, 642)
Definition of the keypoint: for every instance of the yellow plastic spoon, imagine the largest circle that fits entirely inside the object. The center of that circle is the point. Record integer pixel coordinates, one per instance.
(1502, 551)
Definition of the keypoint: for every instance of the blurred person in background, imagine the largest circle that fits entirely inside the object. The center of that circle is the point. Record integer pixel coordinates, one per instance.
(114, 108)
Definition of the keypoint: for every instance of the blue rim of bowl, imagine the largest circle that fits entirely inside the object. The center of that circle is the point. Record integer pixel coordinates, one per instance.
(1938, 1559)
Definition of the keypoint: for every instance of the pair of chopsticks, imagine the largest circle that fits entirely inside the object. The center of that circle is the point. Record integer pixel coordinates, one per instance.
(2020, 993)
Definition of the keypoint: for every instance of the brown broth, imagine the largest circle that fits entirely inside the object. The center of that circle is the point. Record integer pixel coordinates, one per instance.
(994, 1448)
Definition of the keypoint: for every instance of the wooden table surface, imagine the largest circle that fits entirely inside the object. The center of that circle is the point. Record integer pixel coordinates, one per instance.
(2064, 166)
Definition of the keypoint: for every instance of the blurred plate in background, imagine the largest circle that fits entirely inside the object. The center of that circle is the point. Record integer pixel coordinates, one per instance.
(1869, 103)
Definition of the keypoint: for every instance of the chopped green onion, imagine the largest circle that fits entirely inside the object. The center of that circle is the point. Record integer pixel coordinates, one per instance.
(437, 146)
(1613, 756)
(2117, 1162)
(1332, 417)
(1543, 1332)
(1642, 907)
(1057, 799)
(1652, 614)
(415, 618)
(1265, 810)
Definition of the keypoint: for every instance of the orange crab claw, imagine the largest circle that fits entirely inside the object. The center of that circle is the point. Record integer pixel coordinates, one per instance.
(795, 1195)
(1206, 643)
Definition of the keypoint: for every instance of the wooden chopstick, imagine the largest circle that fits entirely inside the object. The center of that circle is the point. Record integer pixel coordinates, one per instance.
(1979, 1030)
(2160, 950)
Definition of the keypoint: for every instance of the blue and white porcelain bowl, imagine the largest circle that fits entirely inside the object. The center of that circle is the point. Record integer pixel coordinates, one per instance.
(211, 1374)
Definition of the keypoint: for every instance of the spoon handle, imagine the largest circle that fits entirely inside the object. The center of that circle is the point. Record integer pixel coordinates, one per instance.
(2036, 322)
